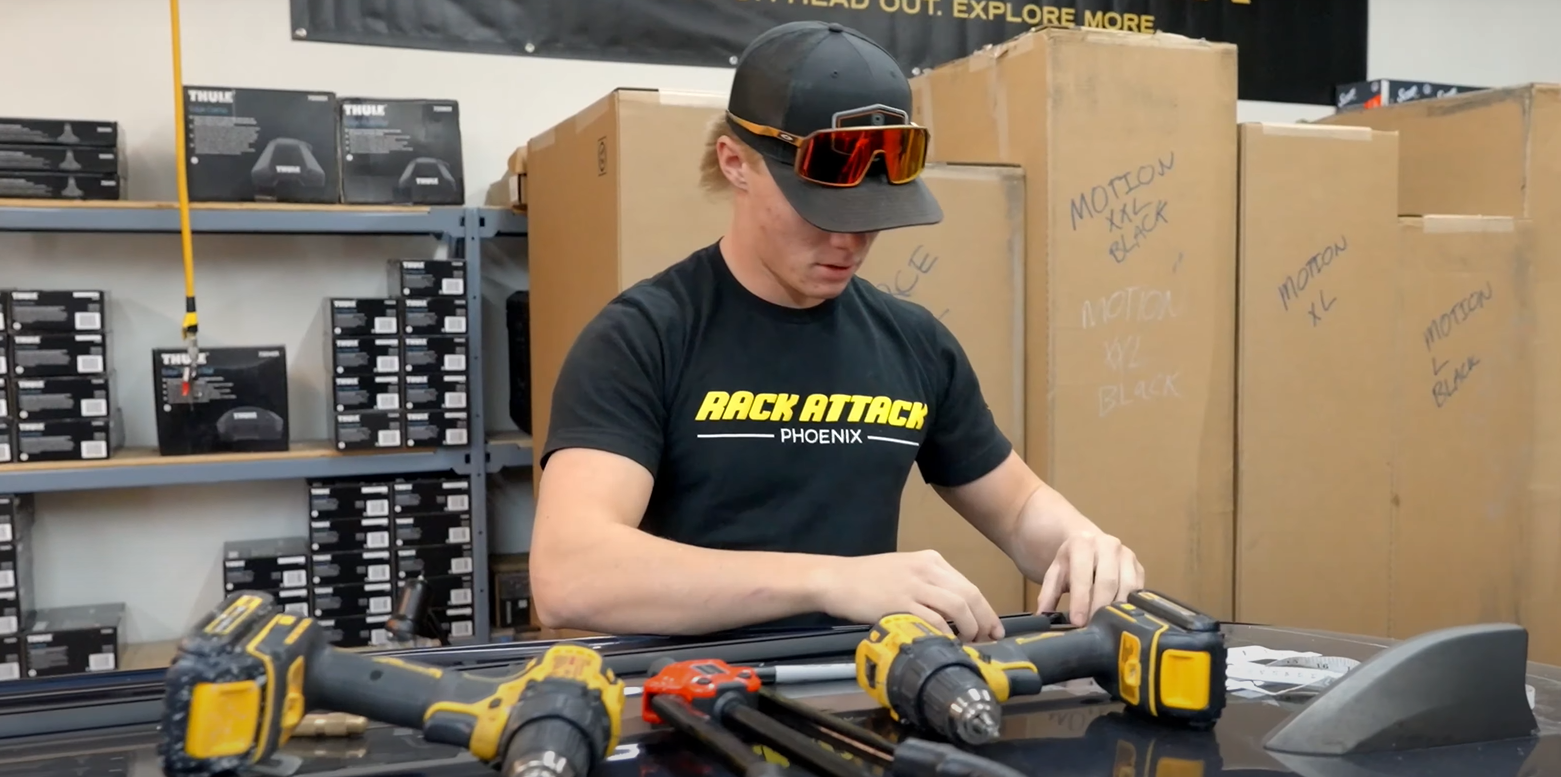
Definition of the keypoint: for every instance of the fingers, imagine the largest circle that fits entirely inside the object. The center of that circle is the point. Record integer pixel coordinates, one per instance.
(1081, 575)
(1108, 573)
(1051, 585)
(954, 608)
(988, 625)
(1130, 574)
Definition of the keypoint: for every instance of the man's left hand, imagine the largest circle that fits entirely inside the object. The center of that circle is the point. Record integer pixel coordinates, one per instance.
(1094, 570)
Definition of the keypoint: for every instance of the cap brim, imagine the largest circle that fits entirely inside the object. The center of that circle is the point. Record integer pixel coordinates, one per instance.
(871, 206)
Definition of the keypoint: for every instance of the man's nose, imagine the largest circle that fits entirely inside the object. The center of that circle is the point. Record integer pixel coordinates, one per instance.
(851, 241)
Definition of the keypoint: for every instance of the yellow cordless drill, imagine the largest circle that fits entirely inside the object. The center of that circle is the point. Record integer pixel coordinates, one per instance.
(247, 673)
(1155, 655)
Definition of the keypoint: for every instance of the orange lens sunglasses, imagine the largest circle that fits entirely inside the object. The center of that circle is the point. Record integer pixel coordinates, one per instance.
(841, 157)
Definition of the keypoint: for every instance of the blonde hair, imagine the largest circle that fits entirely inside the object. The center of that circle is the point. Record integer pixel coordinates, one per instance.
(711, 179)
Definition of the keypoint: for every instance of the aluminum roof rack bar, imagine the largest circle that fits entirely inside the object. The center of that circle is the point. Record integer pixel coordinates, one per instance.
(1454, 686)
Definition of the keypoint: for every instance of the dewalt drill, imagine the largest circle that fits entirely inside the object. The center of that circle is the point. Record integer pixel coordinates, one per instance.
(247, 673)
(1155, 655)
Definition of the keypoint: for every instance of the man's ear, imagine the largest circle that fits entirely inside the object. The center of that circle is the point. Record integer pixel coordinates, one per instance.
(733, 162)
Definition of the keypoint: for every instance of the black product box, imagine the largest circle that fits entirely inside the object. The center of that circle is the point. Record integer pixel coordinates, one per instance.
(428, 277)
(371, 317)
(11, 657)
(261, 145)
(511, 580)
(74, 640)
(432, 495)
(437, 429)
(346, 601)
(61, 159)
(265, 565)
(425, 355)
(36, 312)
(367, 431)
(365, 355)
(431, 560)
(401, 152)
(353, 568)
(14, 606)
(1375, 94)
(7, 442)
(346, 535)
(5, 399)
(59, 355)
(356, 631)
(453, 623)
(435, 391)
(356, 393)
(5, 350)
(294, 601)
(59, 186)
(433, 529)
(425, 316)
(447, 591)
(61, 132)
(69, 439)
(237, 401)
(337, 501)
(51, 399)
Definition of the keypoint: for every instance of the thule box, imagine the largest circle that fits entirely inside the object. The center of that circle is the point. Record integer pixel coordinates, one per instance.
(270, 565)
(59, 355)
(34, 185)
(74, 640)
(401, 152)
(60, 132)
(237, 401)
(369, 317)
(29, 311)
(427, 277)
(52, 399)
(261, 145)
(61, 159)
(68, 439)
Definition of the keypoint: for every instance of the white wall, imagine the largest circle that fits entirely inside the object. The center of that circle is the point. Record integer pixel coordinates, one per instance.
(157, 549)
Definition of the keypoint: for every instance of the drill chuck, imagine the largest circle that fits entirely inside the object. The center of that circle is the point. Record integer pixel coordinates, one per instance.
(935, 685)
(549, 747)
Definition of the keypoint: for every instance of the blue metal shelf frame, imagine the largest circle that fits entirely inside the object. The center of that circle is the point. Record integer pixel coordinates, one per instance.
(247, 220)
(461, 228)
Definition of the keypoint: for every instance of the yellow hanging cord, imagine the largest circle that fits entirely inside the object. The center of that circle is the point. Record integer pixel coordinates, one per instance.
(181, 155)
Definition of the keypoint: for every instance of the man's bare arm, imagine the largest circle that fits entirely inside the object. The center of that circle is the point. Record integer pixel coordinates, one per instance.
(593, 569)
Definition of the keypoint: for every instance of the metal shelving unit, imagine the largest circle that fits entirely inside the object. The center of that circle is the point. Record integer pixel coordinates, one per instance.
(462, 229)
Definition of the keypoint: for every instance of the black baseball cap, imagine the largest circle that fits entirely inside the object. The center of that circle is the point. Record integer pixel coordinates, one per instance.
(797, 78)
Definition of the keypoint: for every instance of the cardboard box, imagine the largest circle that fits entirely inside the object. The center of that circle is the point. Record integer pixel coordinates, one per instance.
(615, 199)
(1465, 423)
(1498, 153)
(1128, 142)
(1317, 378)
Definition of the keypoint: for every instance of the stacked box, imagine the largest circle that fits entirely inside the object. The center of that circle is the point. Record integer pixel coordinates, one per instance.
(399, 365)
(279, 567)
(58, 404)
(16, 583)
(433, 539)
(404, 152)
(73, 640)
(352, 580)
(61, 159)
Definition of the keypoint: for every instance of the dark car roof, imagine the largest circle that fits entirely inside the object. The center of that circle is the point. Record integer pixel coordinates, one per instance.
(1067, 731)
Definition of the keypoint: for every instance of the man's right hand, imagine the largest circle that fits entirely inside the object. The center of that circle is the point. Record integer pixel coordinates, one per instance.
(866, 588)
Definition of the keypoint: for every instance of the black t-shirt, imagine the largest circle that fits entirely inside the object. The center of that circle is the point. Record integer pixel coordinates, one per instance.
(768, 427)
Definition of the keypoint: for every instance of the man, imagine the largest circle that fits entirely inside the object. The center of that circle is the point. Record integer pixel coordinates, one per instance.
(730, 439)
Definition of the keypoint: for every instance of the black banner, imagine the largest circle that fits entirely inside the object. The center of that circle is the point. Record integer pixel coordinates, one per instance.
(1289, 50)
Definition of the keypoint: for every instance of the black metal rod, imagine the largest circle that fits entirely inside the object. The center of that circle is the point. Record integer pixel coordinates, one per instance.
(677, 714)
(868, 744)
(795, 746)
